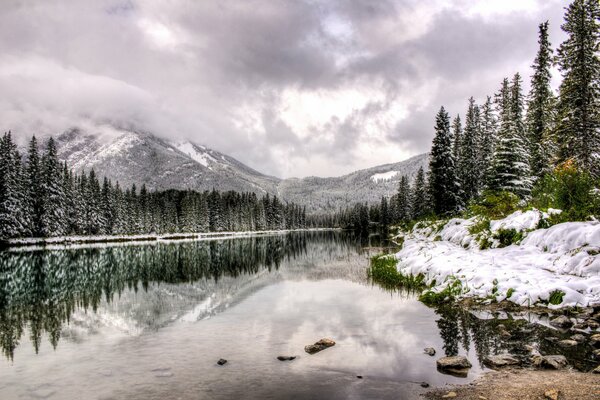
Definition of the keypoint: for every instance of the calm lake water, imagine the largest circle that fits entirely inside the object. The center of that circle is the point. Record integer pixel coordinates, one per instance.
(149, 321)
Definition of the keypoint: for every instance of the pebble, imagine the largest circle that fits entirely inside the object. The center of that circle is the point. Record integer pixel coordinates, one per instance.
(222, 361)
(449, 395)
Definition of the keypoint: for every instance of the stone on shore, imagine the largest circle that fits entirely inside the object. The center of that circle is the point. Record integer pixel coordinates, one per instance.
(500, 360)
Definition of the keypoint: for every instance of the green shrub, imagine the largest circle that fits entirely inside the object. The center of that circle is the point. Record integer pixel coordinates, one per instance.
(570, 189)
(495, 205)
(556, 297)
(448, 294)
(506, 237)
(384, 272)
(482, 225)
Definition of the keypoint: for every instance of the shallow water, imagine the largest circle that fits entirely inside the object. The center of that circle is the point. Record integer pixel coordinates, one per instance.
(150, 321)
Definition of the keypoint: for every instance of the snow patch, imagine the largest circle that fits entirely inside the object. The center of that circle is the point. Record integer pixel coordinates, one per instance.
(384, 176)
(564, 257)
(198, 154)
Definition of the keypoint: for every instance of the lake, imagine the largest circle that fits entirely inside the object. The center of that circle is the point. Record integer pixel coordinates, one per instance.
(150, 321)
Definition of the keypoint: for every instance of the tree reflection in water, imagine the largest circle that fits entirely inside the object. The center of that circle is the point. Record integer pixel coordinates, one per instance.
(458, 327)
(40, 290)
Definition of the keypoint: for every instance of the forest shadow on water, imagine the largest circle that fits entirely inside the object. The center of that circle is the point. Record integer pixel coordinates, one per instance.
(159, 315)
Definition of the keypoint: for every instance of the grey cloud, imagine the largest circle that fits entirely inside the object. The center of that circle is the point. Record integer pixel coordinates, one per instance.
(187, 69)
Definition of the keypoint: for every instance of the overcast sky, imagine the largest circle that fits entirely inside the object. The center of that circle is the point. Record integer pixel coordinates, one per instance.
(292, 88)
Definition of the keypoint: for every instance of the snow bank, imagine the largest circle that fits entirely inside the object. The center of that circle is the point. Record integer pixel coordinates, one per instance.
(562, 258)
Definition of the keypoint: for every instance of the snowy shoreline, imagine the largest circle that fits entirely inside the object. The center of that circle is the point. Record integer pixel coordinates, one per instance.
(557, 267)
(63, 241)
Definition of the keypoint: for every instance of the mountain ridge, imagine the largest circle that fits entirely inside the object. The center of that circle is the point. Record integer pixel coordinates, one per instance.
(134, 157)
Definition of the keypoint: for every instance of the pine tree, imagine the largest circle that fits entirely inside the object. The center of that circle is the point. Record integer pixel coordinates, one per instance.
(53, 212)
(510, 167)
(419, 196)
(467, 166)
(578, 125)
(443, 184)
(15, 218)
(34, 186)
(487, 140)
(457, 138)
(540, 104)
(403, 201)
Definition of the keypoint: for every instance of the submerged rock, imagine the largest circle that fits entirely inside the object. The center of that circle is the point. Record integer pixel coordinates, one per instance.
(222, 361)
(430, 351)
(500, 360)
(551, 362)
(319, 346)
(286, 358)
(562, 322)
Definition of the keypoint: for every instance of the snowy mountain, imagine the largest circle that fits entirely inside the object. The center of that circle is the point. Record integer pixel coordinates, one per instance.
(136, 157)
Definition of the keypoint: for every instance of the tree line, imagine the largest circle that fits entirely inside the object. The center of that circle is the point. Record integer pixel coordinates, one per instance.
(510, 143)
(42, 197)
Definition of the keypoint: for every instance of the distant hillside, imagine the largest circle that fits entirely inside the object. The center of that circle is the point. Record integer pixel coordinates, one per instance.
(142, 158)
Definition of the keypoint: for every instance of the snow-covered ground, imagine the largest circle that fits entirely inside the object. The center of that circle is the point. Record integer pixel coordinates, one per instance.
(564, 257)
(59, 242)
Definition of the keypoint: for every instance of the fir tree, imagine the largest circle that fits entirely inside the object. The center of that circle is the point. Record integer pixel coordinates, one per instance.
(53, 214)
(510, 168)
(419, 196)
(467, 167)
(403, 203)
(34, 186)
(540, 104)
(578, 125)
(443, 185)
(487, 140)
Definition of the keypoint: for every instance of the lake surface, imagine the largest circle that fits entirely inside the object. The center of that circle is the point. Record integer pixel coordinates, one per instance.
(150, 320)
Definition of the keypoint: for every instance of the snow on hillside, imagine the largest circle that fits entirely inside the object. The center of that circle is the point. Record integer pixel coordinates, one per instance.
(196, 153)
(385, 176)
(563, 258)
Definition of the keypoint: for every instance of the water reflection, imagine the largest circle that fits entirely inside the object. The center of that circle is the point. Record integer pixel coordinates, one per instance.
(491, 334)
(40, 290)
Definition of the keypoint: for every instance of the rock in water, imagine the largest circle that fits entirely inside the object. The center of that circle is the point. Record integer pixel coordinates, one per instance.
(319, 346)
(551, 362)
(222, 361)
(286, 358)
(500, 360)
(562, 322)
(456, 366)
(430, 351)
(456, 362)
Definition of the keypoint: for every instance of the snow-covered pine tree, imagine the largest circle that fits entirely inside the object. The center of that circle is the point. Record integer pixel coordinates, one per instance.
(53, 221)
(15, 215)
(34, 185)
(403, 203)
(487, 140)
(419, 196)
(539, 107)
(457, 138)
(107, 208)
(384, 213)
(510, 166)
(443, 185)
(578, 124)
(468, 172)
